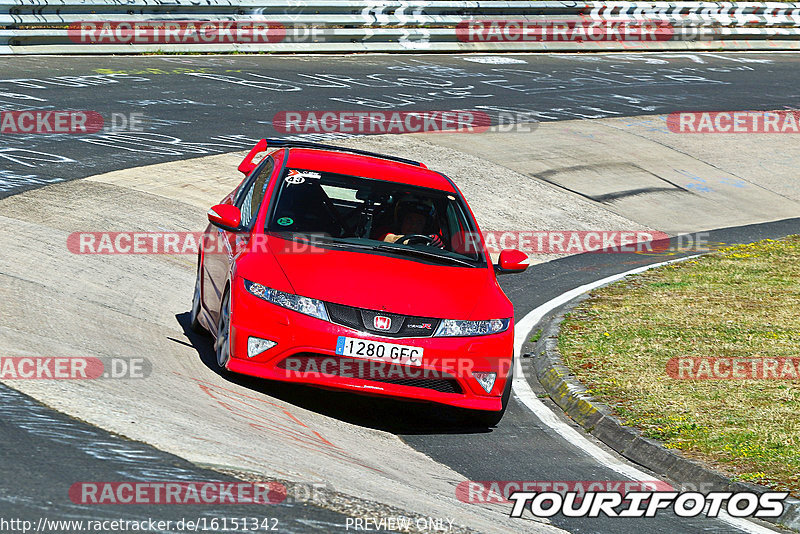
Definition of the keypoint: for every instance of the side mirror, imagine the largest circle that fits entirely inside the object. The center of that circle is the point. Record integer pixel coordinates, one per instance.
(225, 216)
(247, 165)
(511, 261)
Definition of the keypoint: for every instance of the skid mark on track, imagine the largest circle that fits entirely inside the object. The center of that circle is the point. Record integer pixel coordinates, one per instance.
(277, 419)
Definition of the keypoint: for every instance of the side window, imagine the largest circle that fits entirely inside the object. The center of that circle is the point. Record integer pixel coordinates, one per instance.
(462, 240)
(250, 200)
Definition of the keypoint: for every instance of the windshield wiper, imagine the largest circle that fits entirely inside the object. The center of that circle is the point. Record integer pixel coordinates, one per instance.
(423, 254)
(326, 241)
(332, 242)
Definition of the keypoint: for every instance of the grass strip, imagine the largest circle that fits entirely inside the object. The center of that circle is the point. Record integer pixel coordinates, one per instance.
(741, 302)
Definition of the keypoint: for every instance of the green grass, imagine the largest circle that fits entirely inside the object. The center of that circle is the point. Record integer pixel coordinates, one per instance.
(741, 301)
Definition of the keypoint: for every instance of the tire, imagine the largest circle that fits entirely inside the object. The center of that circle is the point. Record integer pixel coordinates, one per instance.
(194, 314)
(222, 346)
(486, 418)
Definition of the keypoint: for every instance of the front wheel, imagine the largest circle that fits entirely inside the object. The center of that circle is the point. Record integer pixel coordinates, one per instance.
(486, 418)
(223, 344)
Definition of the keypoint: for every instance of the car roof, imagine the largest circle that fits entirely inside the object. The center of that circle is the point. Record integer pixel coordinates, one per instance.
(367, 167)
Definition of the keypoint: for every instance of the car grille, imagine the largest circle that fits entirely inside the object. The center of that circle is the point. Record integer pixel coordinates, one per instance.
(363, 320)
(376, 371)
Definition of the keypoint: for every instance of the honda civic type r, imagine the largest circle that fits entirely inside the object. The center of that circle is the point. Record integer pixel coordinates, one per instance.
(356, 271)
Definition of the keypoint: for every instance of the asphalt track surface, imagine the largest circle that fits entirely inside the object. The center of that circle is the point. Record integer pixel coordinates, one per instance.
(195, 106)
(43, 453)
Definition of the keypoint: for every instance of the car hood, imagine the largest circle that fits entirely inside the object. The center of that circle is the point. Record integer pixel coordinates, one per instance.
(387, 283)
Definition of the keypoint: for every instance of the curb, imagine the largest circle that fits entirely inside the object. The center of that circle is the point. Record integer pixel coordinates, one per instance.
(597, 419)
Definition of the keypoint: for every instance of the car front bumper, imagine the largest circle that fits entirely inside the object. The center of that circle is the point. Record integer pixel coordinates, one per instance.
(305, 352)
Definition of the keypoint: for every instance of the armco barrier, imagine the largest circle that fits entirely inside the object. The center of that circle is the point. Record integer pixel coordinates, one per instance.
(54, 26)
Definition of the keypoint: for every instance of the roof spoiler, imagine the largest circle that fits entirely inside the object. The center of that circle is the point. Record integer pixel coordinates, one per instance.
(247, 165)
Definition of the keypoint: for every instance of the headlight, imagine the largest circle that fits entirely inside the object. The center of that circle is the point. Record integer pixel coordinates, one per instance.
(308, 306)
(451, 328)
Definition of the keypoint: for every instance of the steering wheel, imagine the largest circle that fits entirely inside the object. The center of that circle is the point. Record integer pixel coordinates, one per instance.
(421, 239)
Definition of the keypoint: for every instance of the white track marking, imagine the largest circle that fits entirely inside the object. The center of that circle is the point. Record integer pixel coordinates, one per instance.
(525, 394)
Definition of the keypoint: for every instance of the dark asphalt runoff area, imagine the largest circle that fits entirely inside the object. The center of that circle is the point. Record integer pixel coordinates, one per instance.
(43, 453)
(163, 108)
(191, 106)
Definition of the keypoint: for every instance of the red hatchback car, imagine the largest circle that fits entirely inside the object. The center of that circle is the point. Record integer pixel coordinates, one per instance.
(356, 271)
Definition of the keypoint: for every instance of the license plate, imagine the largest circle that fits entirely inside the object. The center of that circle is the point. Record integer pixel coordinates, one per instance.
(378, 350)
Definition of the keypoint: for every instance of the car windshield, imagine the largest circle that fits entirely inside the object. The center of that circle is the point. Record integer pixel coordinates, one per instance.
(375, 215)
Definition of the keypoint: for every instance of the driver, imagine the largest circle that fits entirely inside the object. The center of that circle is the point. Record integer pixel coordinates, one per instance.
(412, 218)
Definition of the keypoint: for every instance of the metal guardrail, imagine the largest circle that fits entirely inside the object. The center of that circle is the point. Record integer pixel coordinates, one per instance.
(54, 26)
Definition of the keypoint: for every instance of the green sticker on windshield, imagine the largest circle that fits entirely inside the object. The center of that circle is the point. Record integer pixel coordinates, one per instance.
(285, 221)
